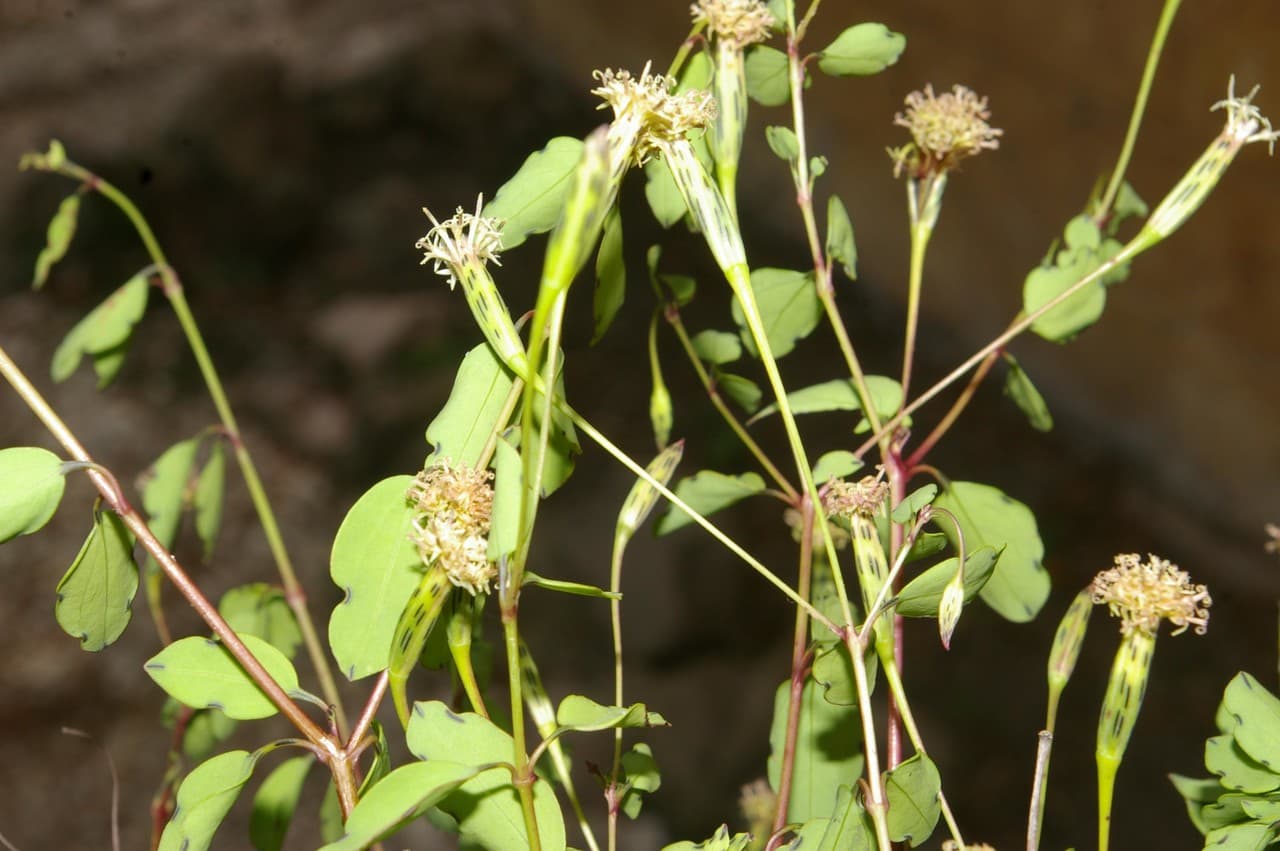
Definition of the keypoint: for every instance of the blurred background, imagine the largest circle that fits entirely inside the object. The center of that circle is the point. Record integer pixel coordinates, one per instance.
(282, 151)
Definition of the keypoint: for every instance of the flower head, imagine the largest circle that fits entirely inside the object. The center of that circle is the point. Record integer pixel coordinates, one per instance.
(945, 129)
(462, 240)
(864, 498)
(646, 112)
(739, 22)
(1245, 122)
(1142, 593)
(452, 507)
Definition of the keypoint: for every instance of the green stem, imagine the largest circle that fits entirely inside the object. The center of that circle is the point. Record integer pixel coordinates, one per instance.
(1139, 107)
(171, 286)
(708, 384)
(524, 777)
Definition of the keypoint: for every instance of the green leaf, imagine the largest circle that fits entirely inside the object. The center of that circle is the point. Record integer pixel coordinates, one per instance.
(208, 497)
(165, 491)
(640, 773)
(261, 610)
(789, 304)
(1196, 793)
(583, 714)
(530, 202)
(717, 347)
(840, 245)
(817, 168)
(836, 465)
(1018, 387)
(504, 526)
(921, 596)
(833, 670)
(276, 801)
(105, 329)
(1237, 770)
(96, 592)
(61, 228)
(810, 836)
(486, 806)
(681, 287)
(768, 80)
(207, 729)
(912, 789)
(1257, 719)
(1127, 204)
(1020, 585)
(720, 841)
(1085, 251)
(204, 799)
(1262, 809)
(611, 276)
(200, 673)
(463, 426)
(744, 392)
(381, 764)
(927, 544)
(31, 487)
(783, 142)
(861, 50)
(1240, 837)
(707, 492)
(916, 500)
(661, 192)
(828, 750)
(849, 829)
(377, 567)
(401, 796)
(1228, 809)
(577, 589)
(839, 394)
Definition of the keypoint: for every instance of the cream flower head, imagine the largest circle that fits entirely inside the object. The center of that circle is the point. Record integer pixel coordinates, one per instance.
(739, 22)
(452, 507)
(462, 240)
(945, 129)
(650, 112)
(841, 498)
(1142, 593)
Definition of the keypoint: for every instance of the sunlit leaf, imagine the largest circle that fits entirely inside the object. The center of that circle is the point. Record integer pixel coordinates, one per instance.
(165, 490)
(470, 416)
(768, 75)
(204, 799)
(1256, 715)
(912, 789)
(106, 328)
(828, 751)
(640, 772)
(1020, 585)
(402, 796)
(209, 497)
(577, 589)
(840, 245)
(783, 142)
(531, 201)
(260, 609)
(61, 228)
(920, 597)
(200, 672)
(860, 50)
(95, 594)
(707, 492)
(31, 487)
(913, 502)
(839, 394)
(1018, 387)
(718, 347)
(789, 305)
(583, 714)
(835, 465)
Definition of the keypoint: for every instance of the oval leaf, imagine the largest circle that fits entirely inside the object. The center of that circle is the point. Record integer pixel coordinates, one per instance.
(61, 228)
(916, 500)
(165, 490)
(707, 492)
(470, 416)
(828, 750)
(200, 673)
(862, 49)
(768, 75)
(611, 276)
(486, 807)
(275, 802)
(789, 304)
(203, 800)
(839, 394)
(840, 245)
(1256, 715)
(912, 789)
(31, 487)
(921, 596)
(718, 347)
(377, 568)
(530, 202)
(1018, 387)
(836, 465)
(95, 594)
(260, 610)
(399, 798)
(1020, 585)
(107, 327)
(583, 714)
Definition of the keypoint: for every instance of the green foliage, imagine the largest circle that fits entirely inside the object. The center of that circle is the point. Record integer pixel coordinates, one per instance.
(208, 498)
(768, 75)
(611, 276)
(204, 799)
(1086, 250)
(1018, 387)
(920, 597)
(260, 610)
(840, 245)
(717, 347)
(640, 776)
(486, 806)
(62, 227)
(912, 789)
(581, 713)
(789, 304)
(906, 510)
(836, 464)
(861, 50)
(721, 841)
(95, 593)
(276, 801)
(530, 202)
(401, 797)
(708, 492)
(104, 334)
(377, 568)
(1239, 807)
(828, 750)
(31, 486)
(200, 673)
(783, 142)
(165, 493)
(840, 394)
(460, 432)
(1018, 588)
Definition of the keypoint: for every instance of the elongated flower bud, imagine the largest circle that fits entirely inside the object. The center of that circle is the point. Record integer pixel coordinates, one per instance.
(1067, 642)
(859, 504)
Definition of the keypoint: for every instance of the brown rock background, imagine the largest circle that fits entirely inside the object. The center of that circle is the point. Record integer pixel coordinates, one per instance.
(282, 150)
